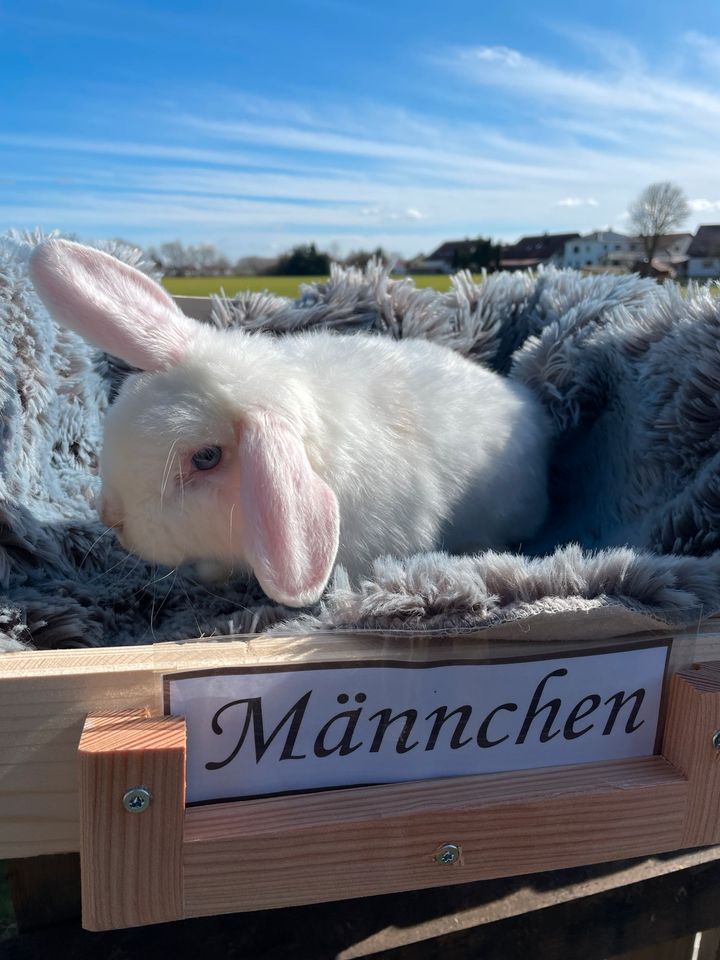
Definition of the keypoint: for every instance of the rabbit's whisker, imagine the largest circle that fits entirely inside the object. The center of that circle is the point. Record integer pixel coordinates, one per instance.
(167, 470)
(232, 565)
(154, 583)
(167, 592)
(97, 540)
(182, 487)
(201, 586)
(155, 580)
(192, 609)
(109, 569)
(128, 573)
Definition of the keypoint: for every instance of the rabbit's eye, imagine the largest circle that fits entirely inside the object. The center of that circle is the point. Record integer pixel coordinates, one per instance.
(207, 458)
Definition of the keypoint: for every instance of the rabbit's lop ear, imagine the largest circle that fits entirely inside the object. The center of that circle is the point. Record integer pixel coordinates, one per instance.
(290, 513)
(111, 304)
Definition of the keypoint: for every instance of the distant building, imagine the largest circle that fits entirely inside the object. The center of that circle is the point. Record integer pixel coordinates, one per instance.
(606, 248)
(703, 254)
(600, 247)
(671, 255)
(254, 266)
(674, 245)
(447, 256)
(533, 251)
(404, 267)
(677, 254)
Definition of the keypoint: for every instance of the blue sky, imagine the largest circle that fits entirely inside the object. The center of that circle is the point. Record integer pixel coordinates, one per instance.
(255, 126)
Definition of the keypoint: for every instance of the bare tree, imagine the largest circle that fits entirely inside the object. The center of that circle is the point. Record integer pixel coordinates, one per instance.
(658, 210)
(361, 258)
(177, 260)
(206, 260)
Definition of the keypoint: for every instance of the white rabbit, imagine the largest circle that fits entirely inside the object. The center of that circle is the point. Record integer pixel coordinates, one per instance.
(288, 454)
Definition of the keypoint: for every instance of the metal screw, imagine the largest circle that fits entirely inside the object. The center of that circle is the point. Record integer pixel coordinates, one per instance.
(136, 800)
(716, 739)
(447, 854)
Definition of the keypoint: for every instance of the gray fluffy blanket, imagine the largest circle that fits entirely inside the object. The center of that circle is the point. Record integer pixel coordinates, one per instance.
(629, 371)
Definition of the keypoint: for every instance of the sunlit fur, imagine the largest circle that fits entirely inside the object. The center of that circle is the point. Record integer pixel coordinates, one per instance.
(421, 447)
(354, 447)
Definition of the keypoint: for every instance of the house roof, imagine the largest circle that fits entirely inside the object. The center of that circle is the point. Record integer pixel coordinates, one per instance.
(706, 242)
(447, 250)
(537, 248)
(676, 237)
(603, 236)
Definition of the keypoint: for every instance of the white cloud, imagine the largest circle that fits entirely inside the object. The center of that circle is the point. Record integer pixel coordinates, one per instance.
(276, 169)
(704, 48)
(623, 89)
(504, 55)
(410, 214)
(604, 46)
(577, 202)
(512, 71)
(702, 206)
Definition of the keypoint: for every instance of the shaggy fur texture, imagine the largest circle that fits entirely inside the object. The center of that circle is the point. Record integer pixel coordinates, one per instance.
(331, 448)
(629, 372)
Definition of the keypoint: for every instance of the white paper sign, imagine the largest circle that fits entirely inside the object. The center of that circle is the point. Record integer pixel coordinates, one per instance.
(268, 730)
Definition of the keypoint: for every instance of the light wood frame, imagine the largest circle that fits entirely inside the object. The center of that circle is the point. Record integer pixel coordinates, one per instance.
(80, 727)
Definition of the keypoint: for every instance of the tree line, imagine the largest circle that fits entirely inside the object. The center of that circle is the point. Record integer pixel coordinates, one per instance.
(175, 259)
(658, 210)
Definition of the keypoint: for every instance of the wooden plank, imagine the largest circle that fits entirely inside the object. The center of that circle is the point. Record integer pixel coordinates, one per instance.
(693, 715)
(41, 722)
(131, 862)
(588, 912)
(709, 947)
(44, 699)
(46, 695)
(199, 308)
(300, 848)
(706, 641)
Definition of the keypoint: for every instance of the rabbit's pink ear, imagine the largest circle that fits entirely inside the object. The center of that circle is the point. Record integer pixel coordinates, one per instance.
(291, 515)
(111, 304)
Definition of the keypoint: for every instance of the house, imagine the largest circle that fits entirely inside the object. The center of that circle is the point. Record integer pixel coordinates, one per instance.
(604, 247)
(533, 251)
(703, 253)
(673, 246)
(405, 267)
(447, 256)
(670, 258)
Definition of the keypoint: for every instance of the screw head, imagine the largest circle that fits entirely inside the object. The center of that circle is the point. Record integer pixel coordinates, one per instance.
(136, 800)
(447, 854)
(716, 739)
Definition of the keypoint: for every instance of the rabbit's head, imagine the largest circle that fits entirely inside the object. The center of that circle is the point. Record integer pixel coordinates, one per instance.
(207, 454)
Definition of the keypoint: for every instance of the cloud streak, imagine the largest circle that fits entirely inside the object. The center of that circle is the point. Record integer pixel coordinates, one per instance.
(547, 147)
(577, 202)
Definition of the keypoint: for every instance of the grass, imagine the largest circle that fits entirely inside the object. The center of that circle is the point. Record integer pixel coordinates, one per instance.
(283, 286)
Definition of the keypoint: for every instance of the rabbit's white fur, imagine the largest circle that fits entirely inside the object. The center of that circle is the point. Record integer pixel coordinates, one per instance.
(356, 446)
(421, 447)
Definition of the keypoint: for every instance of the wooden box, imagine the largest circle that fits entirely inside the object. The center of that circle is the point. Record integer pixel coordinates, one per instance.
(79, 728)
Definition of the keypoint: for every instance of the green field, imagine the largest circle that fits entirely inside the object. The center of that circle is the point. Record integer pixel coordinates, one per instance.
(284, 286)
